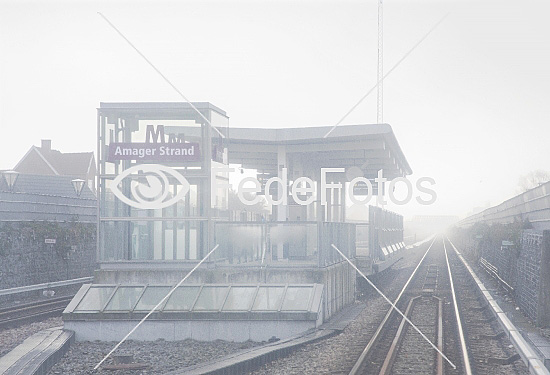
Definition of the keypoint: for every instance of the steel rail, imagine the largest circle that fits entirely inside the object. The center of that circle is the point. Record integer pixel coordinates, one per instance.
(400, 334)
(461, 337)
(29, 312)
(374, 339)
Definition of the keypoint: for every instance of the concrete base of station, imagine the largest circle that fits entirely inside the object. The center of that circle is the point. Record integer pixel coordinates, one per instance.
(175, 330)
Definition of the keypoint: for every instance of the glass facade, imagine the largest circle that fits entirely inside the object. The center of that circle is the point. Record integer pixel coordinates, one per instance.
(164, 195)
(197, 298)
(156, 195)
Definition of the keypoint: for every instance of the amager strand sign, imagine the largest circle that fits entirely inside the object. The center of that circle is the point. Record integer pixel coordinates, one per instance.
(154, 151)
(156, 148)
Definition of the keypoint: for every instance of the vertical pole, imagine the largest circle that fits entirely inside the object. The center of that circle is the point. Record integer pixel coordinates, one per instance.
(99, 191)
(281, 163)
(281, 208)
(343, 201)
(208, 188)
(380, 88)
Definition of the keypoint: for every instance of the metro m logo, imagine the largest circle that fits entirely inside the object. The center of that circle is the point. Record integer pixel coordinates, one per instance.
(158, 135)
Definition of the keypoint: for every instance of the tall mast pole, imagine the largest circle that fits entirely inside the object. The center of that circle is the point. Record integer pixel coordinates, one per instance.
(380, 102)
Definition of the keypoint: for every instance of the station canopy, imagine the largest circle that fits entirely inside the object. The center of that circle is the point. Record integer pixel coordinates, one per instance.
(368, 147)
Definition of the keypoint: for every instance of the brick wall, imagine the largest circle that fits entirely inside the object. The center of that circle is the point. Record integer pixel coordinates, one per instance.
(528, 273)
(524, 264)
(26, 259)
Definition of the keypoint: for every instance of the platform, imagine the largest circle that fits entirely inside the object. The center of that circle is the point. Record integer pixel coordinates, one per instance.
(38, 353)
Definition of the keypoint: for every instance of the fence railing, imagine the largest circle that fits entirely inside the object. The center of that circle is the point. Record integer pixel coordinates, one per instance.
(533, 205)
(54, 284)
(285, 242)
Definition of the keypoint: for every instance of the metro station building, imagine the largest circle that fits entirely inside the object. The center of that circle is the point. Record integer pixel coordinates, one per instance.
(164, 202)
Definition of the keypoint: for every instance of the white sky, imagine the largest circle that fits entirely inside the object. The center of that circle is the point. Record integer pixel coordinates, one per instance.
(470, 106)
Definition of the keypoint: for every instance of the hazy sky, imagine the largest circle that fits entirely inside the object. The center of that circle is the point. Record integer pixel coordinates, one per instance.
(470, 106)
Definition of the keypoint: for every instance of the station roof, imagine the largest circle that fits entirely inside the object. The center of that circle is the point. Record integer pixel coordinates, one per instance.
(158, 108)
(369, 147)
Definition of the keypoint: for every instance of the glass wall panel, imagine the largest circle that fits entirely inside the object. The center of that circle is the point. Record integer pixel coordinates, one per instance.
(182, 299)
(293, 241)
(151, 297)
(151, 239)
(242, 242)
(296, 299)
(239, 298)
(268, 298)
(211, 298)
(95, 299)
(124, 299)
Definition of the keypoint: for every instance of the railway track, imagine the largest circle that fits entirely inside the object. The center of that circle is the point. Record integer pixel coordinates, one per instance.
(441, 301)
(33, 311)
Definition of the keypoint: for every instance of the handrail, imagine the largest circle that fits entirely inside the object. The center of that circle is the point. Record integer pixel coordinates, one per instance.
(30, 288)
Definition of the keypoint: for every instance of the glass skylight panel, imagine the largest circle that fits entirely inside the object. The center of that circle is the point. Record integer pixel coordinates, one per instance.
(182, 299)
(151, 297)
(95, 299)
(211, 298)
(239, 298)
(296, 299)
(268, 298)
(124, 298)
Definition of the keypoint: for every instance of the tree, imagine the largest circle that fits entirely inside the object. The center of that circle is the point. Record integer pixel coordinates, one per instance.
(533, 179)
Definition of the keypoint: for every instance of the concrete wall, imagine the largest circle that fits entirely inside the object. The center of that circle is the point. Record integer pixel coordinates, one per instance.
(26, 259)
(236, 330)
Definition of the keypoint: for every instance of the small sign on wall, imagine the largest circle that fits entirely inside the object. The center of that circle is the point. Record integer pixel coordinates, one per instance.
(50, 240)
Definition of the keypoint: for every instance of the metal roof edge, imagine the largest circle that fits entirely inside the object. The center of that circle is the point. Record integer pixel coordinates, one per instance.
(159, 106)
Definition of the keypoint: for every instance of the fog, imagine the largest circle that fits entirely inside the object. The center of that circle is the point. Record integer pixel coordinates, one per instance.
(468, 106)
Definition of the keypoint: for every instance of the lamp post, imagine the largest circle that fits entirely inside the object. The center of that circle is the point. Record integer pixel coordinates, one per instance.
(78, 185)
(10, 177)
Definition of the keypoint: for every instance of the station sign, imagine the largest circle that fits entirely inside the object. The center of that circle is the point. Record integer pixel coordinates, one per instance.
(157, 147)
(188, 151)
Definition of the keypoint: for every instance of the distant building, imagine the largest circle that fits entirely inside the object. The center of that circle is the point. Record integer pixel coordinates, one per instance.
(44, 160)
(45, 198)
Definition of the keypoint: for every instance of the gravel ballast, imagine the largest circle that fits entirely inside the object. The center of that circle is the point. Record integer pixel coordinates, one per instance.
(337, 354)
(161, 356)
